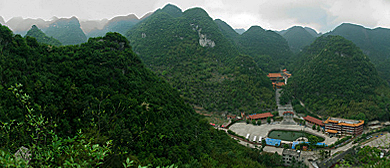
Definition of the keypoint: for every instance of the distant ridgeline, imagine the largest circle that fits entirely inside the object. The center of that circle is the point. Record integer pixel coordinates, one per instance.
(189, 50)
(268, 49)
(103, 89)
(42, 37)
(299, 37)
(118, 24)
(67, 31)
(334, 78)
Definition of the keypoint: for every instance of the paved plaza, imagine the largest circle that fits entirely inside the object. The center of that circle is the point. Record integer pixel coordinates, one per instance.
(262, 131)
(383, 141)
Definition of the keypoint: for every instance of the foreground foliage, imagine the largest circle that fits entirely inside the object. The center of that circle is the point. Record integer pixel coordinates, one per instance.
(102, 89)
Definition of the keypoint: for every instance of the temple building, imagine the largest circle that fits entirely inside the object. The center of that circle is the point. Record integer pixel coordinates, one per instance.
(260, 116)
(343, 126)
(279, 79)
(313, 121)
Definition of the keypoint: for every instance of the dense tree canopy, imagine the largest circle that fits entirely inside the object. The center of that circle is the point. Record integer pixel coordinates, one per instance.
(373, 42)
(215, 76)
(268, 49)
(334, 78)
(103, 89)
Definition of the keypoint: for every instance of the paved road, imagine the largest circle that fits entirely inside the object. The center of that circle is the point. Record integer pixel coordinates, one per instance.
(282, 108)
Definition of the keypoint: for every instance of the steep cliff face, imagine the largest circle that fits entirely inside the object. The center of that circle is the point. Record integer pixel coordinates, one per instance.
(203, 41)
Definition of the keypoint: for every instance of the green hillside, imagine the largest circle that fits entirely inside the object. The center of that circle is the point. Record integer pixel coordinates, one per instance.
(268, 49)
(102, 89)
(67, 31)
(228, 31)
(373, 42)
(298, 38)
(42, 37)
(334, 78)
(190, 52)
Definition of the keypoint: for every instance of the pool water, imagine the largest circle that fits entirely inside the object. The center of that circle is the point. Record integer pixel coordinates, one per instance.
(287, 135)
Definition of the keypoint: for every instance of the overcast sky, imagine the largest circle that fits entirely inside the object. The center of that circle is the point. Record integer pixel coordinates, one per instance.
(322, 15)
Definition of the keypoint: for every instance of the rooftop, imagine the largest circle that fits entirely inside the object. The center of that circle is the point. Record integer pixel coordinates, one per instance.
(274, 75)
(344, 122)
(314, 120)
(260, 116)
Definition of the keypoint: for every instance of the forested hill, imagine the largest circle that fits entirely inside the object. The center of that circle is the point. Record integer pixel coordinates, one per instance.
(42, 37)
(334, 78)
(103, 90)
(298, 38)
(268, 49)
(188, 49)
(67, 31)
(373, 42)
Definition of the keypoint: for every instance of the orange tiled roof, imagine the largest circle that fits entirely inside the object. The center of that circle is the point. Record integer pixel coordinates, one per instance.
(361, 122)
(280, 84)
(352, 125)
(314, 120)
(260, 116)
(331, 131)
(286, 112)
(274, 75)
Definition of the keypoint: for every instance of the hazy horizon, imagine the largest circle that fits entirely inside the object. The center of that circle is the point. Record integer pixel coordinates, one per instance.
(323, 16)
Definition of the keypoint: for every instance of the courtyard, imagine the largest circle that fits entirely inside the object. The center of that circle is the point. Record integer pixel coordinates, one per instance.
(243, 129)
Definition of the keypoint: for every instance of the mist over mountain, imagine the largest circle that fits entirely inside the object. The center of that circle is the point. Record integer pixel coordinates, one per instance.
(2, 20)
(373, 42)
(67, 31)
(89, 25)
(20, 26)
(240, 31)
(118, 24)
